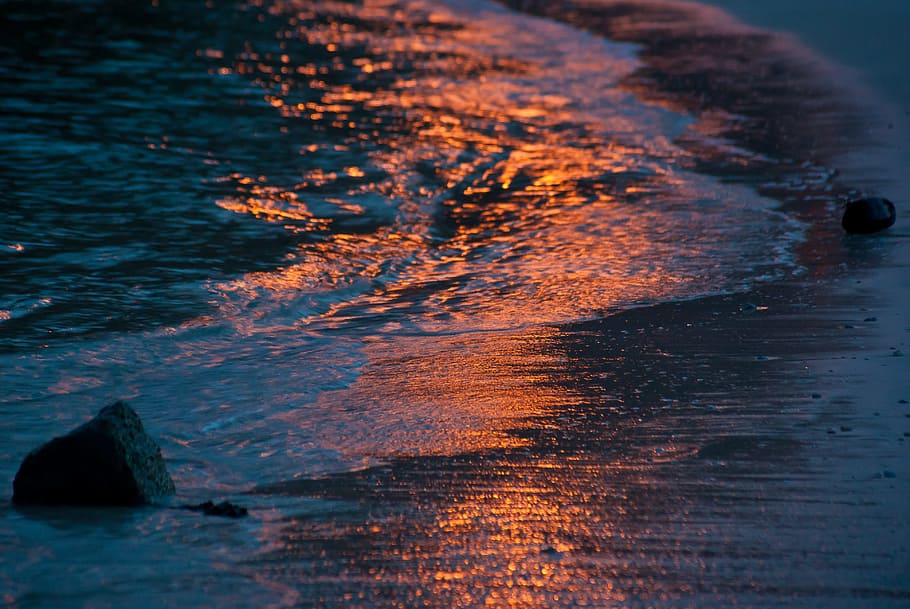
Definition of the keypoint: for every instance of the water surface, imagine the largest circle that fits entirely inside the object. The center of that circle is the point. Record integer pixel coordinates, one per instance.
(321, 245)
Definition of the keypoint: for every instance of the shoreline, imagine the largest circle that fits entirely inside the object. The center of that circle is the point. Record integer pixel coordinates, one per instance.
(745, 449)
(723, 436)
(878, 364)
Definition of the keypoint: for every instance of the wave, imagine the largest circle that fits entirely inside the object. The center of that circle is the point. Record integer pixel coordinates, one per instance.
(429, 165)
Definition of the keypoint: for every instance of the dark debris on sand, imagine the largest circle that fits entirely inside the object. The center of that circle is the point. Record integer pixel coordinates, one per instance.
(225, 508)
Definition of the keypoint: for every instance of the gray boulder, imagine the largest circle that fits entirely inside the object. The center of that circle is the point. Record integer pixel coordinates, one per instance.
(108, 461)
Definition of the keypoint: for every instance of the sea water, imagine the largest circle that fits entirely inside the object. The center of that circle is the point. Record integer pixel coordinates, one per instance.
(304, 238)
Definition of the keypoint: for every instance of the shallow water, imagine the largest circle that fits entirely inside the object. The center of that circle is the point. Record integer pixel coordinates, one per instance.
(252, 207)
(308, 238)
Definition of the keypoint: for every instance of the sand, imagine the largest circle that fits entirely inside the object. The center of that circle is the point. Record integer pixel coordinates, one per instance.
(871, 39)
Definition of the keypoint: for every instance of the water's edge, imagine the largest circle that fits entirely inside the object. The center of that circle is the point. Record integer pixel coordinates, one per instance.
(346, 352)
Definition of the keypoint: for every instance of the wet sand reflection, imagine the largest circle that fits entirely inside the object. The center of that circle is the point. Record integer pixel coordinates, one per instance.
(661, 469)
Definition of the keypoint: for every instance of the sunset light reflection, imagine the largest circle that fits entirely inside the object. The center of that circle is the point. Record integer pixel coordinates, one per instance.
(447, 199)
(471, 166)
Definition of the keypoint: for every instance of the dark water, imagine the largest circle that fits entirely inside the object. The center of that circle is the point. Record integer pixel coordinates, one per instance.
(313, 238)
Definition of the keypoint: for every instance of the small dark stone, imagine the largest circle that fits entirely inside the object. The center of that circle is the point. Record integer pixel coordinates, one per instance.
(871, 319)
(902, 401)
(868, 215)
(225, 508)
(108, 461)
(845, 428)
(816, 396)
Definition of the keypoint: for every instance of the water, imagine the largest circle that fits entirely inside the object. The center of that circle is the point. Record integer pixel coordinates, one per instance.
(308, 238)
(251, 207)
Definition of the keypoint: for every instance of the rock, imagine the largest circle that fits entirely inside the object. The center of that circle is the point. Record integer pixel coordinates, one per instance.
(108, 461)
(225, 508)
(868, 215)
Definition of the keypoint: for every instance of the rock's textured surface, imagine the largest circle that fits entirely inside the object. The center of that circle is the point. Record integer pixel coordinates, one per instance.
(868, 215)
(108, 461)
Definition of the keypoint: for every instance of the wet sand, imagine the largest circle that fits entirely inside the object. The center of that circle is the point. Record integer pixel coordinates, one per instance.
(715, 452)
(869, 40)
(749, 450)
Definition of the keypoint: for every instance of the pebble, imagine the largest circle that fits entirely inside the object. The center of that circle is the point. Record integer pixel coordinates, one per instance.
(868, 215)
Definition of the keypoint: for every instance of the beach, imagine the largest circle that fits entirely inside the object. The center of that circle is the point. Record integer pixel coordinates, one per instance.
(462, 319)
(763, 463)
(869, 40)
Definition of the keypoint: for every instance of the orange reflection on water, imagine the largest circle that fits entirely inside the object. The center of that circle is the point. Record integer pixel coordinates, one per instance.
(448, 395)
(466, 205)
(544, 211)
(522, 534)
(271, 206)
(489, 197)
